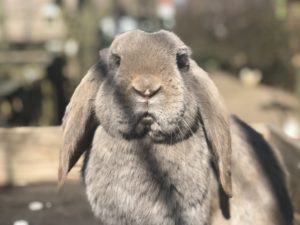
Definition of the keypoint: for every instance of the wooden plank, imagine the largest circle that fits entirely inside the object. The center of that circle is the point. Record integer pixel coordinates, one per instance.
(30, 155)
(13, 57)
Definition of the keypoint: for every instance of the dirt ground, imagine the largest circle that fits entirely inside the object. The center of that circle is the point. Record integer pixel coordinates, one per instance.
(256, 104)
(69, 207)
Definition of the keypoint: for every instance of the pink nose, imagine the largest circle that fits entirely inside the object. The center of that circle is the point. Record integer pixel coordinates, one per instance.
(148, 92)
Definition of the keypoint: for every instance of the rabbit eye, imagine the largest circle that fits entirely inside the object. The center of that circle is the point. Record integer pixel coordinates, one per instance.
(183, 63)
(116, 59)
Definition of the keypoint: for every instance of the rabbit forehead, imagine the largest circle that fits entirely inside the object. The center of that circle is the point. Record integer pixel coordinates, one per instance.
(138, 42)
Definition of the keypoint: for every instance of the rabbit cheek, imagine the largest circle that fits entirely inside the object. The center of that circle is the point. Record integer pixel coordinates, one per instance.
(182, 121)
(111, 110)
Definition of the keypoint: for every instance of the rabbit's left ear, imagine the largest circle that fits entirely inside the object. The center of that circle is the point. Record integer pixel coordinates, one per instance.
(79, 122)
(215, 121)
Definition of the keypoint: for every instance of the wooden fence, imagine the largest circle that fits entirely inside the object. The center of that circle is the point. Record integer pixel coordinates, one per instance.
(30, 155)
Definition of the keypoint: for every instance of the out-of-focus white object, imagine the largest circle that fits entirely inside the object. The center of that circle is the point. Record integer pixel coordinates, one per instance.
(250, 77)
(35, 206)
(291, 127)
(108, 26)
(127, 23)
(166, 11)
(31, 74)
(71, 47)
(54, 46)
(21, 222)
(51, 11)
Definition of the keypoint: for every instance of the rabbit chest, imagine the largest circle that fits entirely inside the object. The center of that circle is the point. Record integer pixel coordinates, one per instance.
(140, 182)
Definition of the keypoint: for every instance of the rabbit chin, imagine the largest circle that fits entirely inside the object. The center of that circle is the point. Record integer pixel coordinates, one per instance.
(159, 130)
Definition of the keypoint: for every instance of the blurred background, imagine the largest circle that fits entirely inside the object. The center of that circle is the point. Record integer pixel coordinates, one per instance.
(250, 48)
(47, 46)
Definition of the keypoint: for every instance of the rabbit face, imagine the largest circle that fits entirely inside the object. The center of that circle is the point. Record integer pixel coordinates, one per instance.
(147, 94)
(146, 86)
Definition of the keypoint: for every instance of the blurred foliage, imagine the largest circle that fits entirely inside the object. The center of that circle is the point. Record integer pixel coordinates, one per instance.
(251, 36)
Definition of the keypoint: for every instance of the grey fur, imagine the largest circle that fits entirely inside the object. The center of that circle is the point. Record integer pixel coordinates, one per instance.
(166, 159)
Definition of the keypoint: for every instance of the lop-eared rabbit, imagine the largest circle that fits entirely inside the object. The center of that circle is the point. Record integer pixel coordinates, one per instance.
(160, 147)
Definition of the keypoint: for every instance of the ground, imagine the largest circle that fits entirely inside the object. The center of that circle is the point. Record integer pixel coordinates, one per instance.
(69, 207)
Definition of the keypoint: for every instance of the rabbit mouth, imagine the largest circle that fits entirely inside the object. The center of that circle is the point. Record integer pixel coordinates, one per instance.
(144, 123)
(141, 126)
(147, 119)
(149, 126)
(160, 129)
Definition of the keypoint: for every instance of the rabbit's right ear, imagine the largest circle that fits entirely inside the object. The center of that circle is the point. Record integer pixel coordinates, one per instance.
(79, 122)
(215, 120)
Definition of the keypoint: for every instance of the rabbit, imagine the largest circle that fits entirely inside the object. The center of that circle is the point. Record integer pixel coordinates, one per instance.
(158, 142)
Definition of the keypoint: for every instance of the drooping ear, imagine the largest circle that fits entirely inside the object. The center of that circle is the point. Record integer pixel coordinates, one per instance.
(215, 120)
(79, 122)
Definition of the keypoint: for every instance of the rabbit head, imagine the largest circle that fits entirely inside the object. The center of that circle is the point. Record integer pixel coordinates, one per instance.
(147, 86)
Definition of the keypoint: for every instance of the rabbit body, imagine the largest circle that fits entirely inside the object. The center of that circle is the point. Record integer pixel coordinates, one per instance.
(138, 182)
(260, 195)
(159, 143)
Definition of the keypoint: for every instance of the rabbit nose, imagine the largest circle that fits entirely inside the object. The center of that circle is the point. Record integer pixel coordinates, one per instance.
(147, 92)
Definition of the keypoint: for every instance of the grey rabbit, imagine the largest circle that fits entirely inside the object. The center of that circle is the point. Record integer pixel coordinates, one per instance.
(158, 143)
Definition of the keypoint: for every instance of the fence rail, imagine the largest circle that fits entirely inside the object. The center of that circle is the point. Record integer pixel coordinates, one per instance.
(30, 155)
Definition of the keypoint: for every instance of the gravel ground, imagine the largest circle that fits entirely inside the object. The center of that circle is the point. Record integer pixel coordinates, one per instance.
(69, 207)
